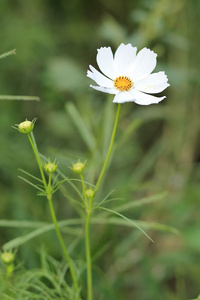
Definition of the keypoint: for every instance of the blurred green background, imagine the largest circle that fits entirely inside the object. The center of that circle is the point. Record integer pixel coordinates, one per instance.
(157, 146)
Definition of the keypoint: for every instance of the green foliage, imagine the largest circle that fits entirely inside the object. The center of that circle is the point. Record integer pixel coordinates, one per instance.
(48, 282)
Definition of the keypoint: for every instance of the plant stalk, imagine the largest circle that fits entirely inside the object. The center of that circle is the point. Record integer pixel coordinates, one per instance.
(62, 244)
(88, 256)
(109, 149)
(89, 210)
(49, 197)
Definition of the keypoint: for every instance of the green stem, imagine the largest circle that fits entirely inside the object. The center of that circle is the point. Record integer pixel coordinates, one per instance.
(89, 210)
(109, 149)
(49, 197)
(49, 183)
(88, 256)
(88, 207)
(38, 161)
(62, 244)
(84, 195)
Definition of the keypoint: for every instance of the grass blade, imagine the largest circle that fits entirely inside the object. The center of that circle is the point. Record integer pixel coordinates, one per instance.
(80, 124)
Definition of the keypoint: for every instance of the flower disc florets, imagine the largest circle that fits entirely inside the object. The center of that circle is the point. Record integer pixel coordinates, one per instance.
(123, 83)
(128, 76)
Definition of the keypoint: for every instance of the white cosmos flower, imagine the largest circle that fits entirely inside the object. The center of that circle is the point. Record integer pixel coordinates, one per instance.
(128, 76)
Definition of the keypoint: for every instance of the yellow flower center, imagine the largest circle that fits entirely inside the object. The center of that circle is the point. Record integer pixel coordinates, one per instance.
(123, 83)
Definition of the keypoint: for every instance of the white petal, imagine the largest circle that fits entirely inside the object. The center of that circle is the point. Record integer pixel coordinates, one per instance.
(124, 57)
(99, 78)
(123, 97)
(143, 64)
(105, 90)
(144, 99)
(154, 83)
(105, 62)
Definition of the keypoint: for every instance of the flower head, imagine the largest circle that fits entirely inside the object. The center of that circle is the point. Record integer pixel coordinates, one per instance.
(78, 167)
(128, 76)
(89, 193)
(25, 127)
(7, 257)
(50, 167)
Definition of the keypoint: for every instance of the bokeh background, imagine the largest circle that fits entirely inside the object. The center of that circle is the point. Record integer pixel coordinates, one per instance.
(157, 147)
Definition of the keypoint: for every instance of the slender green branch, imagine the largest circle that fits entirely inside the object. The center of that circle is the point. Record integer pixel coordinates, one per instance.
(88, 256)
(62, 244)
(49, 184)
(88, 207)
(89, 210)
(38, 161)
(48, 190)
(83, 187)
(109, 149)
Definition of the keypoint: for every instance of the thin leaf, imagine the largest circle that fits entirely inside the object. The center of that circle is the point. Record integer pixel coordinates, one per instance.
(105, 198)
(101, 251)
(122, 221)
(35, 186)
(34, 142)
(8, 53)
(24, 98)
(30, 175)
(23, 239)
(55, 180)
(145, 165)
(142, 201)
(21, 224)
(128, 220)
(85, 133)
(149, 225)
(128, 132)
(158, 226)
(73, 185)
(108, 201)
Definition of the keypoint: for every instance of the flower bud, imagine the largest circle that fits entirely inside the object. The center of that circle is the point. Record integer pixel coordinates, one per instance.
(7, 257)
(89, 193)
(50, 167)
(78, 167)
(27, 126)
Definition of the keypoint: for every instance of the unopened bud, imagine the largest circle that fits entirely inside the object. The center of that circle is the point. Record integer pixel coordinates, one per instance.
(7, 257)
(78, 167)
(50, 167)
(26, 127)
(89, 193)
